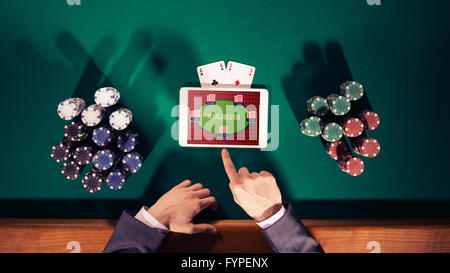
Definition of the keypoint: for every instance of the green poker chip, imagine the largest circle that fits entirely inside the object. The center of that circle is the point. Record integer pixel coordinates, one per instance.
(317, 106)
(339, 105)
(332, 132)
(352, 90)
(311, 126)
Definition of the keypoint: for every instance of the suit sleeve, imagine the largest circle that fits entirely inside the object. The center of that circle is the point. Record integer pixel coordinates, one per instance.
(131, 235)
(289, 235)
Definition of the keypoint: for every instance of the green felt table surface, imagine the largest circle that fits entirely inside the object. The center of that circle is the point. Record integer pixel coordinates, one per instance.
(148, 50)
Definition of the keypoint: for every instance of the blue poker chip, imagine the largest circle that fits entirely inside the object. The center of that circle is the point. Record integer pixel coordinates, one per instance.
(116, 179)
(103, 136)
(127, 141)
(104, 159)
(132, 162)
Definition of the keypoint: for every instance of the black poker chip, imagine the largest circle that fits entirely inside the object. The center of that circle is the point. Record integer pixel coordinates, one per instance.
(93, 180)
(61, 151)
(83, 155)
(71, 170)
(75, 131)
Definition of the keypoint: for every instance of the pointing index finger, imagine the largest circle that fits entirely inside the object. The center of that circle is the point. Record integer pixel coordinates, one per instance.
(229, 166)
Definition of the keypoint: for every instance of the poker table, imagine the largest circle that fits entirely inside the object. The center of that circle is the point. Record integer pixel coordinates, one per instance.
(398, 50)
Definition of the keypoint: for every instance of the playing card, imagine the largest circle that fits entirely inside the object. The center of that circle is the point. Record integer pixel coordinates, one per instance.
(212, 75)
(239, 75)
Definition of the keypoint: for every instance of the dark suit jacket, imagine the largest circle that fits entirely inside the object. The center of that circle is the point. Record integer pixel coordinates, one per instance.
(288, 234)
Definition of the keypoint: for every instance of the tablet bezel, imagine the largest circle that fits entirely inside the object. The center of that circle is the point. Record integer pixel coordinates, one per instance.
(184, 117)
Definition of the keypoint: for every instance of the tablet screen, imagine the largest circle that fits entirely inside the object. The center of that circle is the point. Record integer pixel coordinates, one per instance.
(223, 117)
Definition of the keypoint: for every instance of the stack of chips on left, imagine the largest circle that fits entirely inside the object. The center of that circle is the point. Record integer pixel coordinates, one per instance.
(74, 132)
(332, 121)
(97, 143)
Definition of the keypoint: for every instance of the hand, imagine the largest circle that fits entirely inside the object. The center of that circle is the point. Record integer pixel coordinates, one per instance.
(256, 193)
(177, 207)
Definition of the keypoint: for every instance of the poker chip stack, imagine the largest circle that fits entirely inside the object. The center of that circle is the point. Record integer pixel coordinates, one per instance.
(370, 119)
(352, 127)
(367, 147)
(61, 151)
(337, 149)
(348, 163)
(83, 155)
(93, 115)
(331, 120)
(104, 159)
(120, 119)
(351, 164)
(317, 106)
(106, 96)
(116, 179)
(103, 136)
(127, 141)
(93, 139)
(311, 126)
(352, 90)
(132, 162)
(70, 108)
(332, 132)
(339, 105)
(71, 170)
(93, 181)
(75, 131)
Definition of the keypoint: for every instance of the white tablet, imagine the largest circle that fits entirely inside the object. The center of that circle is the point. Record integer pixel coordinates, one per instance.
(223, 117)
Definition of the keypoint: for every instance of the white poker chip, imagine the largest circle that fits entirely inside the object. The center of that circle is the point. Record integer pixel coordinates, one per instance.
(93, 115)
(70, 108)
(106, 96)
(120, 119)
(80, 102)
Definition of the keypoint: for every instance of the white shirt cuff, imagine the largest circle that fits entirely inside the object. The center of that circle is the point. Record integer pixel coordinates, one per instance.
(272, 219)
(149, 220)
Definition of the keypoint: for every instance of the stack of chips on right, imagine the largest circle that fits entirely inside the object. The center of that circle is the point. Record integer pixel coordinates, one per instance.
(332, 121)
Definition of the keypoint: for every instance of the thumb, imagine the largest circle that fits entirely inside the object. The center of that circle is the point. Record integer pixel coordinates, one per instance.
(203, 228)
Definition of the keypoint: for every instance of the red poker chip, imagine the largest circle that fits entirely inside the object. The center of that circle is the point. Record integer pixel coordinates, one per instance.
(353, 127)
(355, 166)
(352, 165)
(370, 147)
(337, 149)
(371, 119)
(343, 161)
